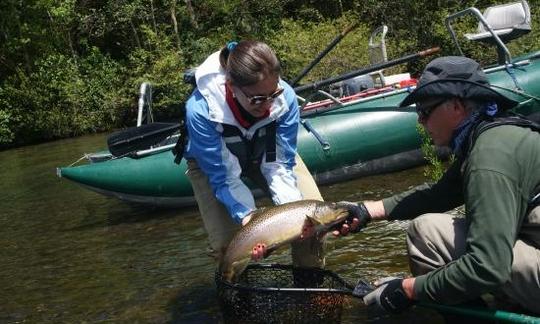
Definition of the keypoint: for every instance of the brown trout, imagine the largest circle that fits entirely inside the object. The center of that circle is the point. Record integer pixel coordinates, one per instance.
(276, 226)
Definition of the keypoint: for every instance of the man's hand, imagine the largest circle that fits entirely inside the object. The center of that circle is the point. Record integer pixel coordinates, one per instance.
(389, 296)
(358, 218)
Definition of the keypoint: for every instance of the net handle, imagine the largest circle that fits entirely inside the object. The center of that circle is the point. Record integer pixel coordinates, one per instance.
(363, 288)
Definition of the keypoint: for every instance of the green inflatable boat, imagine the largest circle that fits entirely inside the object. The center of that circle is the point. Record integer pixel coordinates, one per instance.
(342, 137)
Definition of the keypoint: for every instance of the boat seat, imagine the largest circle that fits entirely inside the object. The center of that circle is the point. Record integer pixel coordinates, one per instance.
(377, 52)
(376, 79)
(508, 21)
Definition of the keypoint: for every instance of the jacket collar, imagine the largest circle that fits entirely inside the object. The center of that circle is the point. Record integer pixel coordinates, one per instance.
(210, 78)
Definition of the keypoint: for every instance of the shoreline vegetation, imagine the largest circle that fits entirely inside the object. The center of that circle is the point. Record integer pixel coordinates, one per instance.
(69, 68)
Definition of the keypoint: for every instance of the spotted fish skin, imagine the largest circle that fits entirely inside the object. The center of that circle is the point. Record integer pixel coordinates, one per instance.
(276, 226)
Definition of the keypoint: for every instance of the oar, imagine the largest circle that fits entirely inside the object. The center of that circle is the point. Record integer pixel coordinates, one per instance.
(322, 54)
(366, 70)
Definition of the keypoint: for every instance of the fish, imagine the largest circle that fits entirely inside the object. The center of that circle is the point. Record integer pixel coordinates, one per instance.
(276, 226)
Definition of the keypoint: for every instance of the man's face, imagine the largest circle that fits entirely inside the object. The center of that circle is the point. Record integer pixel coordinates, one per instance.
(442, 119)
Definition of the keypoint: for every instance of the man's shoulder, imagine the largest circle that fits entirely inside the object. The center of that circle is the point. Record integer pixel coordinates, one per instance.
(500, 146)
(504, 134)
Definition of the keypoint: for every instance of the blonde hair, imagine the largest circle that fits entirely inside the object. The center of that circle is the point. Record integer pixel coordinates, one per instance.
(249, 62)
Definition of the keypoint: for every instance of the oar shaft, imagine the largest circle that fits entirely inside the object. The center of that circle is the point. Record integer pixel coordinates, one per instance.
(322, 54)
(366, 70)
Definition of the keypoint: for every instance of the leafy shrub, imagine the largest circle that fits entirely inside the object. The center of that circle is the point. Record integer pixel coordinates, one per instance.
(6, 135)
(70, 67)
(63, 97)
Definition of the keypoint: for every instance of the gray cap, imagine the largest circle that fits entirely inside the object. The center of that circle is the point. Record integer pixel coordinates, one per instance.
(456, 76)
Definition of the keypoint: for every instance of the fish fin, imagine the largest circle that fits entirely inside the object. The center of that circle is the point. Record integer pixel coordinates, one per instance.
(257, 212)
(270, 250)
(232, 273)
(310, 227)
(312, 220)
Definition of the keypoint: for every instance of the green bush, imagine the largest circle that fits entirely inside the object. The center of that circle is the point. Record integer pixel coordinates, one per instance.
(6, 134)
(63, 97)
(298, 43)
(73, 67)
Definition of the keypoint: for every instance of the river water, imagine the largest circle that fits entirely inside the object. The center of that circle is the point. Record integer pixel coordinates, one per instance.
(69, 255)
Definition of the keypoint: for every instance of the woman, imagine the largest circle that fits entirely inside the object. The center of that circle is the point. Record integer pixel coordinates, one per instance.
(242, 121)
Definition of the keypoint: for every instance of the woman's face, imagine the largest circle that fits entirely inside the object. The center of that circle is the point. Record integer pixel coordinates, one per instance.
(258, 98)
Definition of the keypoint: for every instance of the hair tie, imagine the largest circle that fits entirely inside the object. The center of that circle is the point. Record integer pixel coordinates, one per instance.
(491, 109)
(231, 45)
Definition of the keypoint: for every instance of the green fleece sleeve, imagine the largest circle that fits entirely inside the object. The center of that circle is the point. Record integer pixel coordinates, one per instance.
(442, 196)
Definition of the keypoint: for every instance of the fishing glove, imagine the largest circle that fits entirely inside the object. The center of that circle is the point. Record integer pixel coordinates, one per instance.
(356, 210)
(389, 296)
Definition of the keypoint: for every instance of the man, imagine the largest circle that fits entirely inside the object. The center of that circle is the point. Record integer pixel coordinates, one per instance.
(496, 175)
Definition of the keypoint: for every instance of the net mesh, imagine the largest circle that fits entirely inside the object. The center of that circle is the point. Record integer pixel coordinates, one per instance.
(282, 294)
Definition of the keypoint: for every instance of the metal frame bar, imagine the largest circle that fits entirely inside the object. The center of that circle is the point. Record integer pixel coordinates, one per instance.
(475, 12)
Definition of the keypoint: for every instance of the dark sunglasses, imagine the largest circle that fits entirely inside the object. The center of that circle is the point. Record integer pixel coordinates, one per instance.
(257, 100)
(424, 110)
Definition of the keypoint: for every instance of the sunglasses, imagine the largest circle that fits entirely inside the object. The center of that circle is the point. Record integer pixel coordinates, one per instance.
(257, 100)
(424, 110)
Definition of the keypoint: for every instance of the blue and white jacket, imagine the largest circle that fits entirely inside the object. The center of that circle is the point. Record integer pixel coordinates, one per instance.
(207, 111)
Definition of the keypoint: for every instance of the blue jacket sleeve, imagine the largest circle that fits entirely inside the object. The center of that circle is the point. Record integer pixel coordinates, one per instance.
(206, 146)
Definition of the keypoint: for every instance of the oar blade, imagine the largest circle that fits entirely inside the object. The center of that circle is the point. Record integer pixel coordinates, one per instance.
(134, 139)
(362, 288)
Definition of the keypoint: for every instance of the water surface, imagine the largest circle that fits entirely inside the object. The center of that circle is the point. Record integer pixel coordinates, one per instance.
(72, 255)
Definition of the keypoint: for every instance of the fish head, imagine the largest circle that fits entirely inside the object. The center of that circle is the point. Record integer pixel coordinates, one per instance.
(328, 214)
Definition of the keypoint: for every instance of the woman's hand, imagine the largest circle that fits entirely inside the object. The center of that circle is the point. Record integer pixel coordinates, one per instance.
(258, 252)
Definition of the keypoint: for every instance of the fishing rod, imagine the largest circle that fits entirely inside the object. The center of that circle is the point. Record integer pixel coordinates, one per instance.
(322, 54)
(366, 70)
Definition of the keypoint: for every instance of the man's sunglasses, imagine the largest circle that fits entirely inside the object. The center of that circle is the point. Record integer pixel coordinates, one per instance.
(424, 110)
(257, 100)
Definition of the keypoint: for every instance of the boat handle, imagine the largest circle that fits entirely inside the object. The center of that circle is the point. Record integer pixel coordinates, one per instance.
(324, 143)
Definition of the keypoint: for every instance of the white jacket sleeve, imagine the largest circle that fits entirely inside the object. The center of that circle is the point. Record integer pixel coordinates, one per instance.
(279, 174)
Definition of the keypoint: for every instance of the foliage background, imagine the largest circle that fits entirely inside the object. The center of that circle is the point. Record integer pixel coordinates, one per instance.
(71, 67)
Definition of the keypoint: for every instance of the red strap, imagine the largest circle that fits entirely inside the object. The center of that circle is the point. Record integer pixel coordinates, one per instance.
(234, 106)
